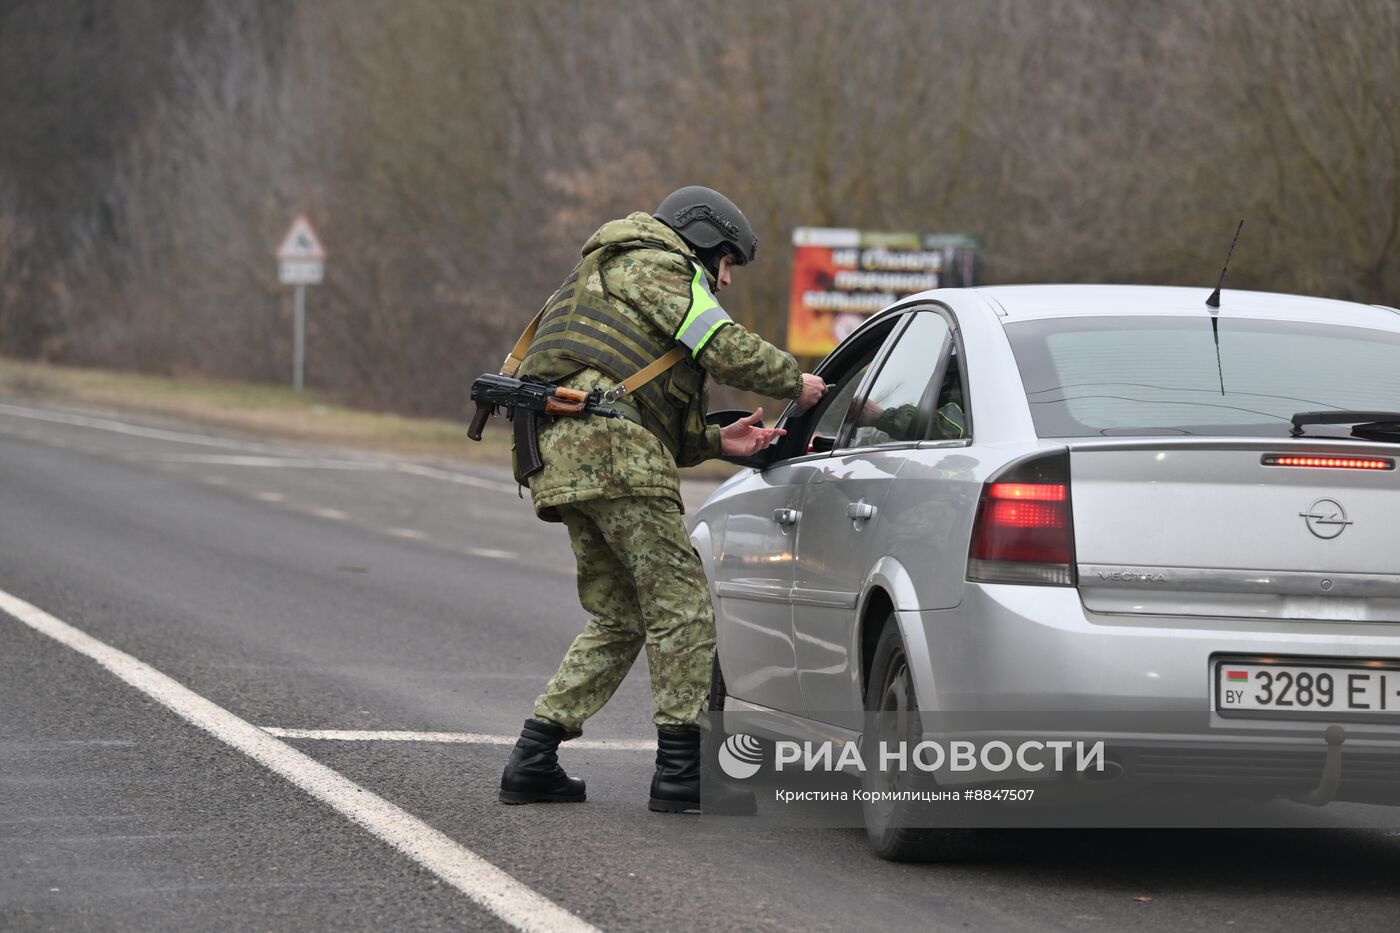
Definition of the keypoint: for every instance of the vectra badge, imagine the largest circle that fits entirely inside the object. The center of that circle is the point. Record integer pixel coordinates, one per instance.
(1326, 518)
(1133, 576)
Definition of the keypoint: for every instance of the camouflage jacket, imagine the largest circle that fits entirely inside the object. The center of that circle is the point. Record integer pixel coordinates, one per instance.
(590, 458)
(898, 423)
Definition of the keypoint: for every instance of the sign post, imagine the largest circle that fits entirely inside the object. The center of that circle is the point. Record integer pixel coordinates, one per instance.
(299, 339)
(301, 261)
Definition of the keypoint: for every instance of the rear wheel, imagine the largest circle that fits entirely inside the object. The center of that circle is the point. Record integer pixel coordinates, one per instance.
(889, 695)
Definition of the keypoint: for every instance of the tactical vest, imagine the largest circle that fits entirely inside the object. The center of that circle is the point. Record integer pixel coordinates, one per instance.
(582, 327)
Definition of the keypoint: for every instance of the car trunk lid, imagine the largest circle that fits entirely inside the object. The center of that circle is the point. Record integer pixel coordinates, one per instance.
(1287, 529)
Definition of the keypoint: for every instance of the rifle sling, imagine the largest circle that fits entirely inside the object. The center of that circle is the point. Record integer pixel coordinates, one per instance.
(653, 369)
(517, 353)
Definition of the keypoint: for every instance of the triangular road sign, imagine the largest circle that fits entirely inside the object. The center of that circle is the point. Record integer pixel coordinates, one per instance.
(301, 242)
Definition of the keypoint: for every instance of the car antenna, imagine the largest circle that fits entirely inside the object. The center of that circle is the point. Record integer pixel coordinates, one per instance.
(1214, 299)
(1213, 302)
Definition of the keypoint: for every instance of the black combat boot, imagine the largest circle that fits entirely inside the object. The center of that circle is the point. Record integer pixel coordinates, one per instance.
(533, 774)
(675, 788)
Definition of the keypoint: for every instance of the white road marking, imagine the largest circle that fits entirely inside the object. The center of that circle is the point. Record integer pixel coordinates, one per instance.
(462, 479)
(492, 552)
(408, 533)
(333, 514)
(455, 738)
(120, 427)
(493, 889)
(270, 496)
(277, 460)
(288, 462)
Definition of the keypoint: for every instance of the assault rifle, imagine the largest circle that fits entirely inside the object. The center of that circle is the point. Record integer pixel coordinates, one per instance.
(524, 401)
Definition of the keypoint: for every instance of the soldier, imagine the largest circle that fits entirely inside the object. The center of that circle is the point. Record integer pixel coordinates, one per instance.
(646, 285)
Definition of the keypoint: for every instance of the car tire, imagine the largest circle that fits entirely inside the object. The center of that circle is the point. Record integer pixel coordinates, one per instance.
(890, 689)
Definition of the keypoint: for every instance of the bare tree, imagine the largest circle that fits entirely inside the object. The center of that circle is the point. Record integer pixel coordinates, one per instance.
(1317, 85)
(18, 330)
(454, 156)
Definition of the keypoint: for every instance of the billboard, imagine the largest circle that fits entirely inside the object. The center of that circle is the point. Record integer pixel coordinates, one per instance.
(840, 277)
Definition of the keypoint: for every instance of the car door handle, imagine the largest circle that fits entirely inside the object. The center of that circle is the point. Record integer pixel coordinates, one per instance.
(786, 516)
(860, 511)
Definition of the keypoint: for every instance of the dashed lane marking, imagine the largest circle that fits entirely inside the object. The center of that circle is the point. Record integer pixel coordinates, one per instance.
(407, 533)
(287, 462)
(493, 889)
(462, 479)
(277, 458)
(270, 496)
(492, 552)
(456, 738)
(332, 514)
(120, 427)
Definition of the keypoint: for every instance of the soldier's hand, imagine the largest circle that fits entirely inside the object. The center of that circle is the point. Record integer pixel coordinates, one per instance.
(813, 388)
(742, 439)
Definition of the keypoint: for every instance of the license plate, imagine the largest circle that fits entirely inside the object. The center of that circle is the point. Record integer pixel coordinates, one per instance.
(1308, 690)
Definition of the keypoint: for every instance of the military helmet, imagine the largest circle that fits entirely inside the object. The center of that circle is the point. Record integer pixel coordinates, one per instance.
(709, 221)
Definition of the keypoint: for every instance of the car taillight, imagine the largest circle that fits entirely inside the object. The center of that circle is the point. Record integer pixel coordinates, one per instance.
(1024, 532)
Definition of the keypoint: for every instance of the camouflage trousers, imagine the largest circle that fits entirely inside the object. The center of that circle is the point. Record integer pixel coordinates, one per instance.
(642, 582)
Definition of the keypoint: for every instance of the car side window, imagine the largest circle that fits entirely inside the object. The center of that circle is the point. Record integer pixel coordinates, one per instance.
(949, 417)
(816, 431)
(893, 410)
(837, 405)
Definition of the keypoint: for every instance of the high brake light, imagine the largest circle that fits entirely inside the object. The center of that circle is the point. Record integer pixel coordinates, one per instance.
(1024, 532)
(1329, 463)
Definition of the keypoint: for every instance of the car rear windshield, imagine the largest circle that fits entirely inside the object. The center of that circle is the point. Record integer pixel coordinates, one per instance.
(1110, 376)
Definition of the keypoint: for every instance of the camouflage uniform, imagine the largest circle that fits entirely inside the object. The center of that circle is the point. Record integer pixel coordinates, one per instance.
(615, 486)
(898, 423)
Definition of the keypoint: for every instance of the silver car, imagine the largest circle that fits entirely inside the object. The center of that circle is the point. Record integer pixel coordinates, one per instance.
(1088, 497)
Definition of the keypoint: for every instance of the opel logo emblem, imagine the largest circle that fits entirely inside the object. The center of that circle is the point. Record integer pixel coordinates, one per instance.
(1326, 518)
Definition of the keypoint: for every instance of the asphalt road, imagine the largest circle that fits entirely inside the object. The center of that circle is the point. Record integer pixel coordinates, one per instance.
(306, 589)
